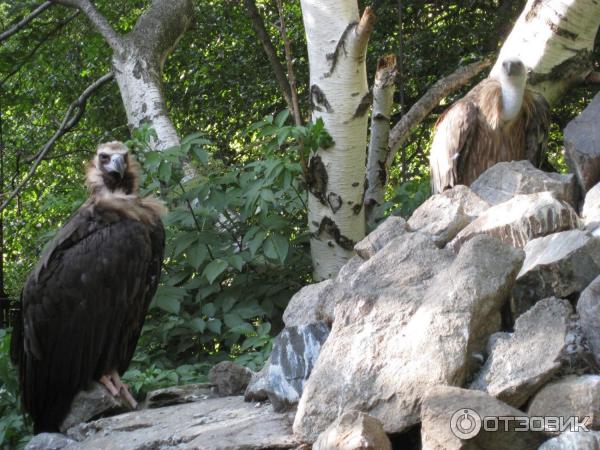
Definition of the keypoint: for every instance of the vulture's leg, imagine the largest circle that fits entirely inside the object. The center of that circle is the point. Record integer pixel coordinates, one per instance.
(123, 389)
(116, 387)
(108, 384)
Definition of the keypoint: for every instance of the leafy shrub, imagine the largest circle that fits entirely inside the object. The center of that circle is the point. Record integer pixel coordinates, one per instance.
(237, 249)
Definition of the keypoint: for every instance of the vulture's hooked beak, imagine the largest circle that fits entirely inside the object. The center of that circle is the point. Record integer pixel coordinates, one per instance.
(116, 164)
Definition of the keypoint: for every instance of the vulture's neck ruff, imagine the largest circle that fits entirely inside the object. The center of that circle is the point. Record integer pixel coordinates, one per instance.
(513, 78)
(112, 179)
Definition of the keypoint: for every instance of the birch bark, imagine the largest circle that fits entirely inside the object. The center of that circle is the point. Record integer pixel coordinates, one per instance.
(337, 42)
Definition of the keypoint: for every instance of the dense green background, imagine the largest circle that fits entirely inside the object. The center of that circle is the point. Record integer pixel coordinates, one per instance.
(234, 259)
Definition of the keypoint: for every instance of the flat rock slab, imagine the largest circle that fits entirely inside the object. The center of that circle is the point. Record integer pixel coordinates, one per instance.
(521, 219)
(572, 396)
(49, 441)
(444, 215)
(561, 264)
(504, 180)
(175, 395)
(399, 332)
(520, 363)
(215, 424)
(445, 405)
(582, 145)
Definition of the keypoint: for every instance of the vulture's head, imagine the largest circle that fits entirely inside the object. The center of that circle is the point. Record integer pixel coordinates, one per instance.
(513, 72)
(112, 170)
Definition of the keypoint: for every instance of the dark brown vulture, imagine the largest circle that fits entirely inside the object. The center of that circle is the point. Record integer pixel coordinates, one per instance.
(83, 306)
(498, 120)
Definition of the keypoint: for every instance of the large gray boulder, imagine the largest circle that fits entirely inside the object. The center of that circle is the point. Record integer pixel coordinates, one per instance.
(582, 440)
(295, 351)
(572, 396)
(504, 180)
(309, 305)
(391, 228)
(229, 378)
(398, 332)
(588, 309)
(445, 408)
(520, 363)
(590, 213)
(214, 424)
(561, 265)
(582, 145)
(521, 219)
(91, 403)
(443, 215)
(354, 430)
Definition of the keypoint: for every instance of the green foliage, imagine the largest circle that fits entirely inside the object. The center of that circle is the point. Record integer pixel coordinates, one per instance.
(14, 431)
(236, 252)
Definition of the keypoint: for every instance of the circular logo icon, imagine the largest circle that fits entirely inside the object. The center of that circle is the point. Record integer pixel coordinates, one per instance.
(465, 423)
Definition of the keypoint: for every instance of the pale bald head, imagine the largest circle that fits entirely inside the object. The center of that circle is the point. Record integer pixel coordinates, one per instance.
(112, 169)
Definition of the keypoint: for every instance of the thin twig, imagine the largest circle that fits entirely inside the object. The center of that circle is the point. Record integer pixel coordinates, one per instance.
(72, 117)
(23, 23)
(290, 67)
(259, 28)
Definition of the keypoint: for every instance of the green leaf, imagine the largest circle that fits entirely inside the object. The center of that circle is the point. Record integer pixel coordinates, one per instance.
(164, 172)
(232, 320)
(282, 117)
(256, 242)
(214, 326)
(209, 310)
(236, 261)
(183, 241)
(197, 255)
(214, 269)
(168, 298)
(201, 155)
(276, 247)
(228, 303)
(198, 325)
(152, 160)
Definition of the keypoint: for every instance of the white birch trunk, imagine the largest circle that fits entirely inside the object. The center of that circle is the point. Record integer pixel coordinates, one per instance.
(337, 43)
(142, 96)
(554, 39)
(383, 101)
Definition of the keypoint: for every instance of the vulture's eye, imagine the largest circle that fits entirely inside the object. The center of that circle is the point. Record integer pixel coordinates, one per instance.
(104, 158)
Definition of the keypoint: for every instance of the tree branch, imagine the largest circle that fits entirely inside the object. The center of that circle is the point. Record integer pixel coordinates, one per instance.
(72, 116)
(421, 109)
(290, 67)
(383, 101)
(98, 21)
(260, 30)
(23, 23)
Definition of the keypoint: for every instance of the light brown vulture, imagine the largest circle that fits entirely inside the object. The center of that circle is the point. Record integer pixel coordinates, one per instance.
(83, 305)
(498, 120)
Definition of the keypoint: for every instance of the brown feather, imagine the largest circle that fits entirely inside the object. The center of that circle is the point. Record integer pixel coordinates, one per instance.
(471, 136)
